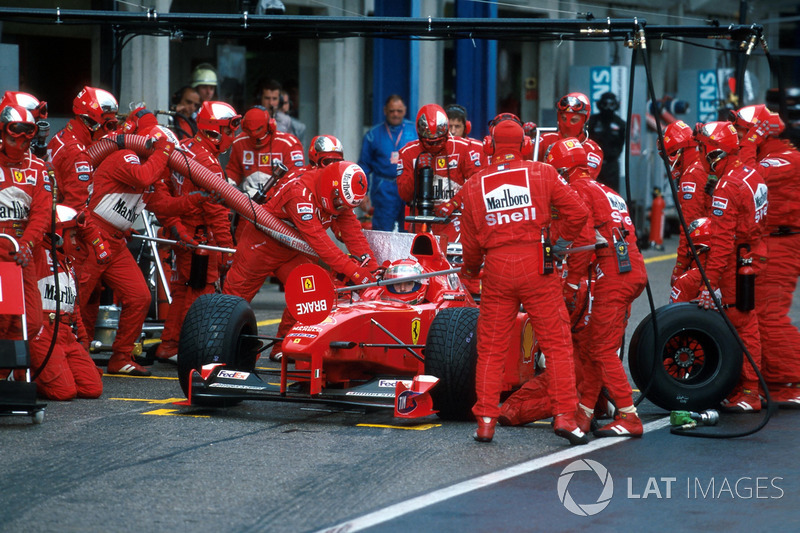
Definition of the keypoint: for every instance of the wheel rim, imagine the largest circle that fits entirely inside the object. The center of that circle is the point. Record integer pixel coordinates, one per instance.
(691, 357)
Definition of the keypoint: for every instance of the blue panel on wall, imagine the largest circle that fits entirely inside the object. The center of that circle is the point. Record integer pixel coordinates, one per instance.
(391, 61)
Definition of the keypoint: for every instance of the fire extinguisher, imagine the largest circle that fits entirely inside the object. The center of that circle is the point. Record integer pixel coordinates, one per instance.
(198, 271)
(745, 280)
(657, 220)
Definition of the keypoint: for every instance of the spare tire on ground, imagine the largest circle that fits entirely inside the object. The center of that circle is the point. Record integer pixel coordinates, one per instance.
(694, 362)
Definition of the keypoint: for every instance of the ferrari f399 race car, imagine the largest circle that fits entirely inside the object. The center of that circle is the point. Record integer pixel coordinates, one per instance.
(409, 345)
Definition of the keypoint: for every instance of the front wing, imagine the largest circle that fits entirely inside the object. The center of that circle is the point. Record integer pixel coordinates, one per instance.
(409, 397)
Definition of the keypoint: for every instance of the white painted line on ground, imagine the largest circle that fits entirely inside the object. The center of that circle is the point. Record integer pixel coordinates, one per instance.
(432, 498)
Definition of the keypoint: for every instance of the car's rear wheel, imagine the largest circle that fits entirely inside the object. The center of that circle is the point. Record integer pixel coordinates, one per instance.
(699, 360)
(212, 333)
(450, 355)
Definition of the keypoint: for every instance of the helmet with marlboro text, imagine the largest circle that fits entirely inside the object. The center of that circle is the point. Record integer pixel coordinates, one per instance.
(341, 186)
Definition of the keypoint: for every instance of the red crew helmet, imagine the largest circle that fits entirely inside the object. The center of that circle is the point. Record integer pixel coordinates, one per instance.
(97, 108)
(716, 140)
(432, 128)
(324, 150)
(566, 154)
(219, 122)
(340, 186)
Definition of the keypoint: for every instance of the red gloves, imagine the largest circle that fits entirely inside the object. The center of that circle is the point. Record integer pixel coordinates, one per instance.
(162, 143)
(102, 250)
(198, 198)
(706, 301)
(444, 210)
(24, 256)
(468, 273)
(361, 275)
(179, 233)
(757, 134)
(215, 197)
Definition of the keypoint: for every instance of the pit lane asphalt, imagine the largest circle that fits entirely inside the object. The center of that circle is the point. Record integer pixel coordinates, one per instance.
(134, 461)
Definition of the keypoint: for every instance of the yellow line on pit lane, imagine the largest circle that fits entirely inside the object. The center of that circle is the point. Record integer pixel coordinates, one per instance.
(656, 259)
(269, 322)
(420, 427)
(173, 412)
(148, 400)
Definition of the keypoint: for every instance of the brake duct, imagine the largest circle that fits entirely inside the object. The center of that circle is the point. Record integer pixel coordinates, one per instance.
(205, 179)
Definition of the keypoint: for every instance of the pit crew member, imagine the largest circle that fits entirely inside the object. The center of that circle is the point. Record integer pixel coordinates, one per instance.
(259, 152)
(25, 209)
(620, 276)
(217, 124)
(314, 201)
(738, 221)
(453, 160)
(506, 210)
(692, 179)
(69, 372)
(95, 116)
(573, 112)
(122, 185)
(779, 165)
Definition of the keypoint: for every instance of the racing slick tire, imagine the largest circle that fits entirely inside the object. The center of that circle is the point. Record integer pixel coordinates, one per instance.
(451, 354)
(211, 333)
(700, 361)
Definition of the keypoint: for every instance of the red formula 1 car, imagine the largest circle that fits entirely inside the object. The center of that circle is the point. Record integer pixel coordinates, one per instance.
(399, 344)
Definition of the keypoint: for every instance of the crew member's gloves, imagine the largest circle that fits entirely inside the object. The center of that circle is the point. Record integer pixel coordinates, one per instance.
(362, 275)
(102, 250)
(162, 144)
(530, 129)
(444, 210)
(468, 273)
(225, 263)
(706, 301)
(199, 198)
(570, 293)
(757, 134)
(180, 234)
(560, 247)
(215, 197)
(24, 256)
